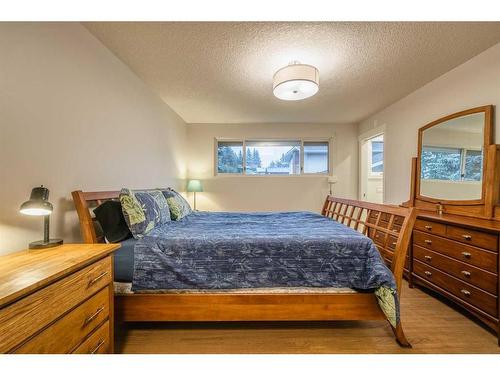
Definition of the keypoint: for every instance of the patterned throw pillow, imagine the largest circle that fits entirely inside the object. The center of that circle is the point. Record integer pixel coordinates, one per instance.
(144, 210)
(179, 207)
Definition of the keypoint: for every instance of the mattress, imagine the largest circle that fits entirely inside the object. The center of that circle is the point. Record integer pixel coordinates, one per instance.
(124, 288)
(124, 261)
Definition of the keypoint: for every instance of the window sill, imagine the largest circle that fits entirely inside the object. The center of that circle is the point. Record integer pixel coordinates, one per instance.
(226, 175)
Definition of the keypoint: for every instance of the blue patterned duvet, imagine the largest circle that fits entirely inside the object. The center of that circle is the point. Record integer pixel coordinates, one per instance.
(221, 250)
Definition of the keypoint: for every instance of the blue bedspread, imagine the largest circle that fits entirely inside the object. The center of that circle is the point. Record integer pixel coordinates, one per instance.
(221, 250)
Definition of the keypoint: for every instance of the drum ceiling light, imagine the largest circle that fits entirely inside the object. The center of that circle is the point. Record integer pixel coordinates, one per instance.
(296, 81)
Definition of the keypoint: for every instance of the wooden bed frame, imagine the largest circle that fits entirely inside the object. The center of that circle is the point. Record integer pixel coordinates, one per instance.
(389, 226)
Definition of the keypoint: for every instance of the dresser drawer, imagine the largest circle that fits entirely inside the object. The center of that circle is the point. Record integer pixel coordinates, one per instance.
(430, 227)
(72, 328)
(473, 275)
(467, 254)
(391, 243)
(97, 343)
(473, 237)
(385, 220)
(386, 254)
(462, 290)
(21, 319)
(380, 239)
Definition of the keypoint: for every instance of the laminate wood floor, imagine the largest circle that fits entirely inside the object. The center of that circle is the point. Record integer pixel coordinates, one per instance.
(431, 326)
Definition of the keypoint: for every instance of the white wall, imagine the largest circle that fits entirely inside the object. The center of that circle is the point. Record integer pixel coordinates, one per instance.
(451, 190)
(271, 193)
(73, 116)
(472, 84)
(455, 139)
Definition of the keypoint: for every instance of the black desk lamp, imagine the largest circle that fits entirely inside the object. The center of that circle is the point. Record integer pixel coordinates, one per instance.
(38, 205)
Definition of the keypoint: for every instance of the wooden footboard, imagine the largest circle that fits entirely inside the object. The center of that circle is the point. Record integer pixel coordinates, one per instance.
(389, 227)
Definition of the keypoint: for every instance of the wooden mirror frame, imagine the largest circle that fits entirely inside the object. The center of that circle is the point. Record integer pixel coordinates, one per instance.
(487, 141)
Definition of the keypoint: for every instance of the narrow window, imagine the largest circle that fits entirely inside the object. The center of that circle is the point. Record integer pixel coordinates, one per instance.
(377, 156)
(473, 169)
(229, 157)
(316, 157)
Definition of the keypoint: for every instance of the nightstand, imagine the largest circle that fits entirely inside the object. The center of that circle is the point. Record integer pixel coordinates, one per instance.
(57, 300)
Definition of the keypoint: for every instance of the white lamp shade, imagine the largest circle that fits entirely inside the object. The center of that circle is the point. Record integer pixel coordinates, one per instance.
(333, 179)
(296, 82)
(35, 211)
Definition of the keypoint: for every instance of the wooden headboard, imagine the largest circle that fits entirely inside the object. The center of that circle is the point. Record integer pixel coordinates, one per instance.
(84, 201)
(389, 227)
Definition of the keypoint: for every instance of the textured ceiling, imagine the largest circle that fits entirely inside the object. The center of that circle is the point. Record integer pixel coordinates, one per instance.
(222, 72)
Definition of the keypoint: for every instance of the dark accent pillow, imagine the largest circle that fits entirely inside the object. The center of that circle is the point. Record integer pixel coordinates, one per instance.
(110, 217)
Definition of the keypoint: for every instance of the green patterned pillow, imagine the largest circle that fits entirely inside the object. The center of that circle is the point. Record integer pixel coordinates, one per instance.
(179, 207)
(144, 210)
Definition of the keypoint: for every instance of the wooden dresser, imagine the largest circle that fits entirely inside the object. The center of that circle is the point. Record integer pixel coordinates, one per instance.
(457, 257)
(455, 187)
(57, 300)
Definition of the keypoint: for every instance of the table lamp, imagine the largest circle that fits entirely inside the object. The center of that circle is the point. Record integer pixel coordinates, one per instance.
(38, 205)
(332, 180)
(194, 186)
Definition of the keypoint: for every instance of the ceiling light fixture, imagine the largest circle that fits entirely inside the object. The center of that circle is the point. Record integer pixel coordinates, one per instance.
(296, 81)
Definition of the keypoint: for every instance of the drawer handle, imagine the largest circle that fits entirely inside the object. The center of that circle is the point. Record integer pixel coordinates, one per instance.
(427, 257)
(93, 316)
(465, 292)
(428, 242)
(466, 254)
(394, 244)
(466, 273)
(467, 237)
(428, 227)
(93, 281)
(427, 273)
(101, 343)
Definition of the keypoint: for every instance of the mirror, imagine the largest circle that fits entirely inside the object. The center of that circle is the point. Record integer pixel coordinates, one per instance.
(451, 157)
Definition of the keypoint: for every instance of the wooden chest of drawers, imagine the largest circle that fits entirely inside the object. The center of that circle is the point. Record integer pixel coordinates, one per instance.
(459, 260)
(57, 300)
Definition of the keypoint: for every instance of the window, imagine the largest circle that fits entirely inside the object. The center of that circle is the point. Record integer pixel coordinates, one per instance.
(377, 156)
(229, 157)
(473, 165)
(279, 157)
(316, 157)
(451, 164)
(272, 157)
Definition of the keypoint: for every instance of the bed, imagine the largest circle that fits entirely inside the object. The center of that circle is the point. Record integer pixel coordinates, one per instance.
(294, 266)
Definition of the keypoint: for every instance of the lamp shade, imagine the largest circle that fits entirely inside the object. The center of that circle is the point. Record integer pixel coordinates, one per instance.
(333, 179)
(194, 186)
(296, 82)
(38, 204)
